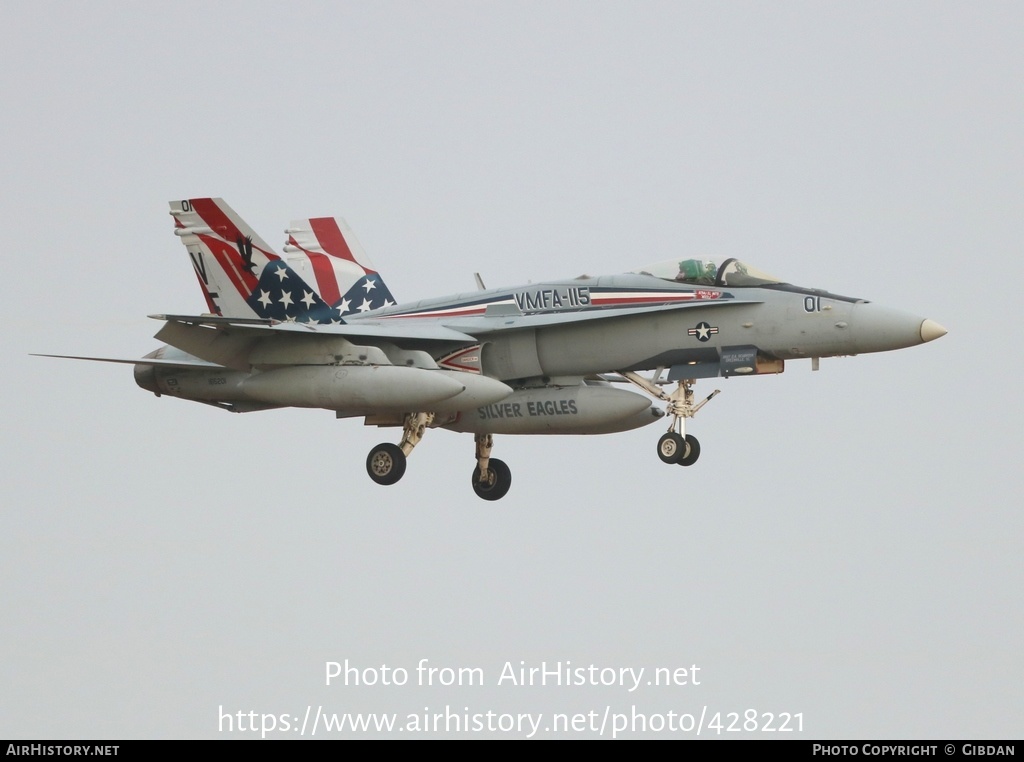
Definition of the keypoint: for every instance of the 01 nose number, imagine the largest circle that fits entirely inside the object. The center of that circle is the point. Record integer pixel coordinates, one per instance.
(812, 304)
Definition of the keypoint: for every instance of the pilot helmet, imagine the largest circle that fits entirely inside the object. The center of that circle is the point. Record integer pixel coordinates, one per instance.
(697, 269)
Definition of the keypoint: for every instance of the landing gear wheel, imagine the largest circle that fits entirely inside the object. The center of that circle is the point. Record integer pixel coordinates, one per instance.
(692, 451)
(386, 463)
(495, 486)
(671, 447)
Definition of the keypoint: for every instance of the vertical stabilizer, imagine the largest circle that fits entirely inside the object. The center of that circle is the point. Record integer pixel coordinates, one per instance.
(326, 253)
(240, 274)
(227, 255)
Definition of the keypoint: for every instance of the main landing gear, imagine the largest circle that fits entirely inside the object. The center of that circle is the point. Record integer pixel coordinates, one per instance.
(386, 462)
(676, 446)
(491, 477)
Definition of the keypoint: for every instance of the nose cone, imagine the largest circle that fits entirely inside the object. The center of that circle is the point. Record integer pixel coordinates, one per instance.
(930, 330)
(878, 329)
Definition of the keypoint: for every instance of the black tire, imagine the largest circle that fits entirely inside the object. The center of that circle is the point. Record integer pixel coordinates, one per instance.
(386, 463)
(671, 447)
(498, 482)
(692, 451)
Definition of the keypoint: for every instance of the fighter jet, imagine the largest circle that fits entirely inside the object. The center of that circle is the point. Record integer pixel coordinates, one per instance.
(316, 327)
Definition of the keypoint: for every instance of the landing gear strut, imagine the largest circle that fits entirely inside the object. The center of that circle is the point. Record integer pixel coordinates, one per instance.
(386, 462)
(491, 477)
(676, 446)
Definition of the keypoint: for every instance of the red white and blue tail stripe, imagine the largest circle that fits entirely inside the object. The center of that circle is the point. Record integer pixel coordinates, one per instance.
(328, 254)
(227, 255)
(323, 276)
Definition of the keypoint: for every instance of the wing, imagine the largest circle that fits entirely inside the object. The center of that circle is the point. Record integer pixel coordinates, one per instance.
(232, 343)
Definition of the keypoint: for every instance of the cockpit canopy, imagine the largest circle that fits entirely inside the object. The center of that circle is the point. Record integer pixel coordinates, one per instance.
(704, 272)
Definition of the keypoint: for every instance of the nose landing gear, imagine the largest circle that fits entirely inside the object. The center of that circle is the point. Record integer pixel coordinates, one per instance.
(676, 446)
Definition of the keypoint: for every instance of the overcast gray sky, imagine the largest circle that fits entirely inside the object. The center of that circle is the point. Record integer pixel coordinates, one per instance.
(848, 547)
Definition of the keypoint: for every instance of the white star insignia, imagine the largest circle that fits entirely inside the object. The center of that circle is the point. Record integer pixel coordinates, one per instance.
(387, 303)
(308, 299)
(365, 306)
(369, 285)
(703, 331)
(281, 272)
(265, 299)
(346, 305)
(286, 298)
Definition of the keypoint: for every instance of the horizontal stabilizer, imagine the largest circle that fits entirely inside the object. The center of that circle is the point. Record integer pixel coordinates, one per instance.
(214, 320)
(195, 363)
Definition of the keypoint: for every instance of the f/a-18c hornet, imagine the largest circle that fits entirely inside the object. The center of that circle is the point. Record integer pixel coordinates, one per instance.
(316, 327)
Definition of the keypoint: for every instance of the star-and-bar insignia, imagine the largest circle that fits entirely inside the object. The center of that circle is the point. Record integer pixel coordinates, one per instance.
(703, 331)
